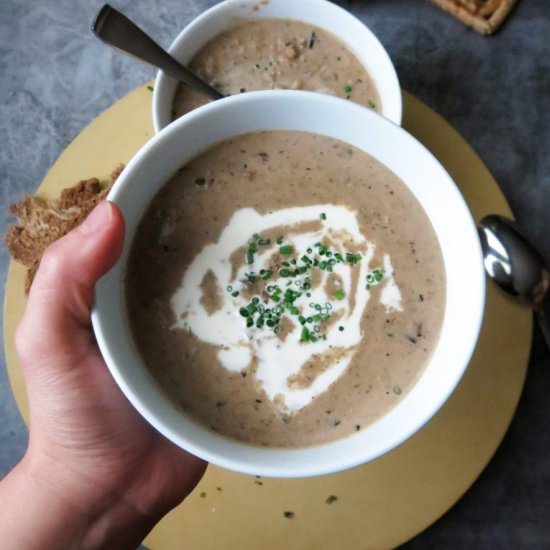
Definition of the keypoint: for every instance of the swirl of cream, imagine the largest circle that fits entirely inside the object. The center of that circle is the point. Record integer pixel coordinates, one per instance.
(291, 373)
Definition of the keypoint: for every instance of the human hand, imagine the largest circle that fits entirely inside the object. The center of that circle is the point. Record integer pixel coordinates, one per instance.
(88, 448)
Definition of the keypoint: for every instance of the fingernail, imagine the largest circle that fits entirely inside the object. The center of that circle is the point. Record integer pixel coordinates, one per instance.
(98, 219)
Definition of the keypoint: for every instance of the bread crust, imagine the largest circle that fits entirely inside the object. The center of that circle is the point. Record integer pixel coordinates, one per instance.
(40, 222)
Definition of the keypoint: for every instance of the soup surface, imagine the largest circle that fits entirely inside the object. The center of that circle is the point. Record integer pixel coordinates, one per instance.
(285, 289)
(278, 54)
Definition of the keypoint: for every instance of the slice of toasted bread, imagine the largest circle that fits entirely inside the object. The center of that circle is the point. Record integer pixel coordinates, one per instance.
(40, 222)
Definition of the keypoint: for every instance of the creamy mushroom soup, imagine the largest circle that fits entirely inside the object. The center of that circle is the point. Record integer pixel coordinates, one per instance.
(278, 54)
(285, 289)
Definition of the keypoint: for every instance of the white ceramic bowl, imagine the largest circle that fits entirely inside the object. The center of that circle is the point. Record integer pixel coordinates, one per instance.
(406, 157)
(325, 15)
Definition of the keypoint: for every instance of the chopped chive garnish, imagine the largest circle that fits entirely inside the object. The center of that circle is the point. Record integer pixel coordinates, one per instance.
(375, 277)
(150, 88)
(242, 90)
(200, 181)
(341, 328)
(275, 301)
(372, 104)
(353, 258)
(323, 216)
(250, 251)
(307, 335)
(251, 277)
(339, 294)
(348, 88)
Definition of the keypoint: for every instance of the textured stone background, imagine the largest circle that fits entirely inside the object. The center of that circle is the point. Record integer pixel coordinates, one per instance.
(55, 78)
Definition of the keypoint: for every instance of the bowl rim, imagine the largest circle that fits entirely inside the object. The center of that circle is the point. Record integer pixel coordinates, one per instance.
(394, 112)
(293, 467)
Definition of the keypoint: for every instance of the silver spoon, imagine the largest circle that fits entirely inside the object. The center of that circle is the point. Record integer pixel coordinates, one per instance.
(116, 30)
(515, 266)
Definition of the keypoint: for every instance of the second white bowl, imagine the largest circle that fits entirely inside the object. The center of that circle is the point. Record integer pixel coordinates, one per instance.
(325, 15)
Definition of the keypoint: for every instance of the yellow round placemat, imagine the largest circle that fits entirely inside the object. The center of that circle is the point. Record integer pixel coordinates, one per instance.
(379, 505)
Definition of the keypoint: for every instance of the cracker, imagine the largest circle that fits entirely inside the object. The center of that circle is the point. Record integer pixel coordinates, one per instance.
(485, 16)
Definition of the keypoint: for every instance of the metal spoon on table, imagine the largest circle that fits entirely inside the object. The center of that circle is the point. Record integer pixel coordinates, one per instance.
(515, 266)
(116, 30)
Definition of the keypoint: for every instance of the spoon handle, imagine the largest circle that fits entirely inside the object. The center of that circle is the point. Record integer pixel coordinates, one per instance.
(116, 30)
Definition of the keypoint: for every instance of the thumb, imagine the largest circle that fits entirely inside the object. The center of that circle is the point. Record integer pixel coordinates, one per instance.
(56, 325)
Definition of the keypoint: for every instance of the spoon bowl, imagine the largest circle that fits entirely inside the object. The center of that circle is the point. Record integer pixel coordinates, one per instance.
(511, 260)
(513, 263)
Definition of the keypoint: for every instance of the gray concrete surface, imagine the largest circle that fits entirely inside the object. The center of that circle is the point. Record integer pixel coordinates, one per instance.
(55, 78)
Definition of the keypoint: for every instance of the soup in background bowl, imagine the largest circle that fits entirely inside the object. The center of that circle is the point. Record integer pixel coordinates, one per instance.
(250, 45)
(283, 115)
(278, 54)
